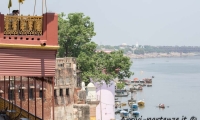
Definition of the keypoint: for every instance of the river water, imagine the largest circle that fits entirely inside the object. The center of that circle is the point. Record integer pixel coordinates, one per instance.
(176, 84)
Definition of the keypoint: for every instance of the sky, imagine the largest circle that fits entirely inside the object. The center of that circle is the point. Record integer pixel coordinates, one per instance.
(148, 22)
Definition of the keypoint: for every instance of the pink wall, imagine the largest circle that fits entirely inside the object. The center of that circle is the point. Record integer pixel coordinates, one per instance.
(106, 107)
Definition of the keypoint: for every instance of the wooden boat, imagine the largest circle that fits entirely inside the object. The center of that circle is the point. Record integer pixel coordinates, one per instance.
(120, 90)
(122, 95)
(131, 102)
(142, 81)
(149, 85)
(123, 104)
(143, 84)
(136, 88)
(148, 80)
(161, 106)
(141, 103)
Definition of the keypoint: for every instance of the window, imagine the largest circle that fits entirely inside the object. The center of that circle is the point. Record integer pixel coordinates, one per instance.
(21, 93)
(31, 92)
(41, 94)
(61, 92)
(67, 92)
(55, 93)
(11, 94)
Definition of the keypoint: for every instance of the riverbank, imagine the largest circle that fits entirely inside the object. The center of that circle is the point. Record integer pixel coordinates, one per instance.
(161, 55)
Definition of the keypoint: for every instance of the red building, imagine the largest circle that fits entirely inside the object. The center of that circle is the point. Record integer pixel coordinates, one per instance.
(28, 46)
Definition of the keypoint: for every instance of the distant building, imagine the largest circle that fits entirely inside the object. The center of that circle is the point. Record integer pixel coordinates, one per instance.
(124, 44)
(137, 45)
(106, 51)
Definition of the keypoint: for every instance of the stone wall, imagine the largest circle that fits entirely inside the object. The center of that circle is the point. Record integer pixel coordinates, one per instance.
(81, 112)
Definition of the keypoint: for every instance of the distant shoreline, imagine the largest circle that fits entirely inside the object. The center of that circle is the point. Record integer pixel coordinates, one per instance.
(162, 55)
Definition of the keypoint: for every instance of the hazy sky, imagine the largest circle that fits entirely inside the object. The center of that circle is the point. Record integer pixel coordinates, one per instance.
(148, 22)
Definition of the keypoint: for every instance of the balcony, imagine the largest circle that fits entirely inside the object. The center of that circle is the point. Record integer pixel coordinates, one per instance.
(29, 30)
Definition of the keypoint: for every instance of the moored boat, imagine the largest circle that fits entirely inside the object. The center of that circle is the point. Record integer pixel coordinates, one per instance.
(124, 114)
(148, 80)
(120, 90)
(136, 88)
(141, 103)
(149, 85)
(123, 104)
(134, 107)
(136, 113)
(161, 106)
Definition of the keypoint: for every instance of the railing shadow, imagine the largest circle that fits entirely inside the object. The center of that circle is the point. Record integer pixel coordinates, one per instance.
(23, 113)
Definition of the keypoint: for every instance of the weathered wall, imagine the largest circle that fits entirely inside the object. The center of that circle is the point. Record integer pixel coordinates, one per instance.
(66, 78)
(64, 112)
(81, 112)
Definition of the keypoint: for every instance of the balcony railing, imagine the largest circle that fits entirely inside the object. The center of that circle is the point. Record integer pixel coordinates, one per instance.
(23, 25)
(5, 103)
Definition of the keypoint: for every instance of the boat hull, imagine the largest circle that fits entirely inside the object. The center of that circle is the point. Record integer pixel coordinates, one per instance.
(141, 103)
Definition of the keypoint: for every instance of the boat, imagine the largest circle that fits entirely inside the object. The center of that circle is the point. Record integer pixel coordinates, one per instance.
(117, 111)
(134, 107)
(122, 95)
(148, 80)
(143, 84)
(141, 103)
(141, 81)
(124, 114)
(123, 104)
(131, 101)
(135, 80)
(136, 113)
(127, 83)
(149, 85)
(136, 88)
(161, 106)
(120, 90)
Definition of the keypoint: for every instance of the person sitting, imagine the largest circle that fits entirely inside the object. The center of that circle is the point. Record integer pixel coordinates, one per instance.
(15, 12)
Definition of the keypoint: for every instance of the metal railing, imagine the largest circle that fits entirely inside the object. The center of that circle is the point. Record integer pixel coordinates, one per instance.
(5, 103)
(23, 25)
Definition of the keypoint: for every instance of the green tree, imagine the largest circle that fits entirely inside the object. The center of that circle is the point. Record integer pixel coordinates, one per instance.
(103, 66)
(120, 85)
(75, 34)
(75, 31)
